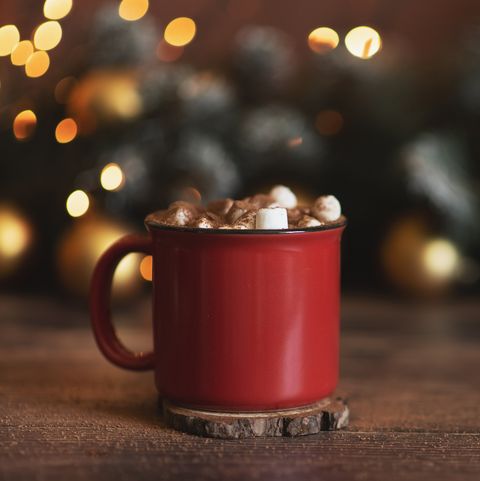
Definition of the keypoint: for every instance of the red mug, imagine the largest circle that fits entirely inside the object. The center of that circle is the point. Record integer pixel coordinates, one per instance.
(242, 320)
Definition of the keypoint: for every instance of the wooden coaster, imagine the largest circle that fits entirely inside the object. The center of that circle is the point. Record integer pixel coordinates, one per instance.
(325, 415)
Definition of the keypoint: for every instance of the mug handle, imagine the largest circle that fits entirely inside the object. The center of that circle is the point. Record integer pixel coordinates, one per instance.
(100, 295)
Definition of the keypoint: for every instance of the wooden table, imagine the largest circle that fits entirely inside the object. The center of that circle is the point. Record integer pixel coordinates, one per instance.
(411, 374)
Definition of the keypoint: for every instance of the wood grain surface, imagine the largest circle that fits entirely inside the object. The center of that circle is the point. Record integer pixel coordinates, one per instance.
(411, 374)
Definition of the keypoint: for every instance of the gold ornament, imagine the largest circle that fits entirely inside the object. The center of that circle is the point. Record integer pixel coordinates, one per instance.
(80, 249)
(15, 239)
(417, 261)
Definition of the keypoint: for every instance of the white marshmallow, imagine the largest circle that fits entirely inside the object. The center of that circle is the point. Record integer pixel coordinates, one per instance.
(180, 216)
(284, 196)
(327, 208)
(271, 218)
(307, 221)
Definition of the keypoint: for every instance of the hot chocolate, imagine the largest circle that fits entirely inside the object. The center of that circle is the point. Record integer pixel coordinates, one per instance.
(276, 210)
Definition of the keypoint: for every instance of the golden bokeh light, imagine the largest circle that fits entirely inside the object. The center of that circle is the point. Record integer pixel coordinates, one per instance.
(180, 31)
(112, 177)
(146, 268)
(21, 52)
(56, 9)
(441, 258)
(24, 125)
(329, 122)
(9, 37)
(77, 203)
(66, 131)
(37, 64)
(47, 35)
(363, 42)
(168, 53)
(132, 10)
(80, 248)
(14, 234)
(323, 39)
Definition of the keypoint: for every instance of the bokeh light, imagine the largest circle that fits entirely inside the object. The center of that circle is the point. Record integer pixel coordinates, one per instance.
(132, 10)
(146, 268)
(56, 9)
(14, 233)
(441, 258)
(37, 64)
(9, 37)
(47, 35)
(24, 124)
(21, 52)
(323, 39)
(82, 245)
(329, 122)
(363, 42)
(77, 203)
(180, 31)
(66, 131)
(112, 177)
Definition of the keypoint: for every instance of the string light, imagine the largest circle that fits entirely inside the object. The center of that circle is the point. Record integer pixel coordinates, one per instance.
(9, 37)
(66, 131)
(363, 42)
(77, 203)
(323, 39)
(56, 9)
(47, 35)
(24, 125)
(21, 52)
(37, 64)
(146, 268)
(441, 258)
(180, 31)
(112, 177)
(132, 10)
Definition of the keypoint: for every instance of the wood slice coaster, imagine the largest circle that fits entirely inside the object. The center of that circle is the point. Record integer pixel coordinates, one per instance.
(325, 415)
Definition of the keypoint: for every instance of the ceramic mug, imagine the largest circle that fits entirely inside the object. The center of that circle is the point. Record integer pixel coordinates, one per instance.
(242, 320)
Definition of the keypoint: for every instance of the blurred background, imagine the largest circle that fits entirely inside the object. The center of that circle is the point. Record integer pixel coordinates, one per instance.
(112, 109)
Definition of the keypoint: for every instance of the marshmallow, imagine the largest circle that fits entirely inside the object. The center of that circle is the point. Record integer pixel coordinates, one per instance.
(247, 220)
(238, 208)
(180, 216)
(203, 222)
(284, 196)
(294, 215)
(261, 200)
(207, 221)
(307, 221)
(220, 206)
(271, 218)
(327, 208)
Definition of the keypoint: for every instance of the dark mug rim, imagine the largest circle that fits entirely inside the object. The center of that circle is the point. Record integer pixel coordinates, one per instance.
(340, 223)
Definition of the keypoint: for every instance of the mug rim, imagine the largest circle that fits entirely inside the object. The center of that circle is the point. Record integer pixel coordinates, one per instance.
(340, 223)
